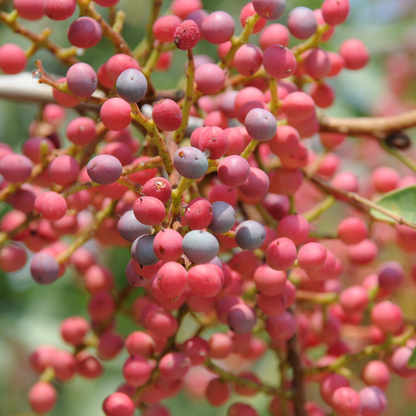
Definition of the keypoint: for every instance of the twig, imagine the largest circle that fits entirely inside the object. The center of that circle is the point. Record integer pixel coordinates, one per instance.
(229, 377)
(115, 37)
(189, 98)
(373, 126)
(314, 213)
(240, 40)
(358, 201)
(366, 352)
(39, 40)
(293, 357)
(90, 233)
(153, 132)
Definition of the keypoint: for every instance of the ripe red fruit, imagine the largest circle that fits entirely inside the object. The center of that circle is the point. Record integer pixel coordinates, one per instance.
(186, 35)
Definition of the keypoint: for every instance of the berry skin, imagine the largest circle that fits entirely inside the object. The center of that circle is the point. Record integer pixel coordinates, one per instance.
(84, 32)
(387, 316)
(130, 228)
(12, 59)
(250, 235)
(209, 78)
(241, 319)
(191, 163)
(115, 114)
(149, 210)
(42, 397)
(223, 217)
(302, 22)
(186, 35)
(59, 9)
(15, 168)
(373, 401)
(172, 279)
(164, 28)
(118, 404)
(131, 85)
(205, 280)
(279, 62)
(335, 12)
(281, 254)
(218, 27)
(51, 205)
(119, 63)
(260, 124)
(200, 246)
(233, 170)
(248, 60)
(167, 245)
(29, 9)
(104, 169)
(269, 9)
(81, 79)
(346, 402)
(355, 54)
(167, 115)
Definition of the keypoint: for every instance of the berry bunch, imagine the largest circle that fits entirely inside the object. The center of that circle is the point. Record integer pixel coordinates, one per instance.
(218, 193)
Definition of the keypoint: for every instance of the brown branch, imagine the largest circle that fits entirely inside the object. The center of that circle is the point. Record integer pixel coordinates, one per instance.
(374, 126)
(39, 40)
(115, 37)
(358, 201)
(293, 356)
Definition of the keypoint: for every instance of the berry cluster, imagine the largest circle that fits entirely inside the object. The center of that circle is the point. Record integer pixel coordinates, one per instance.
(218, 192)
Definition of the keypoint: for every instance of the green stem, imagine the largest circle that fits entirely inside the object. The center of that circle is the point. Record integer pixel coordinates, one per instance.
(189, 97)
(312, 42)
(402, 157)
(240, 40)
(314, 213)
(177, 195)
(368, 351)
(153, 132)
(231, 378)
(151, 62)
(249, 150)
(80, 241)
(274, 102)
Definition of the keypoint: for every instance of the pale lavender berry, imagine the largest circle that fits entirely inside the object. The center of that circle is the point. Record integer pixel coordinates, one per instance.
(260, 124)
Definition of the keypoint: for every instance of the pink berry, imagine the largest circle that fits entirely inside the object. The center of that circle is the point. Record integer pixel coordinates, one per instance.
(387, 316)
(281, 327)
(59, 9)
(29, 9)
(42, 397)
(279, 62)
(15, 167)
(218, 27)
(335, 12)
(209, 78)
(74, 329)
(149, 210)
(115, 114)
(281, 254)
(346, 402)
(186, 35)
(167, 115)
(355, 54)
(12, 59)
(118, 404)
(51, 205)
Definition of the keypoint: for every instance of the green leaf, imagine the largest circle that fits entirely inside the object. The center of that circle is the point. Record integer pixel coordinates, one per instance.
(401, 202)
(412, 360)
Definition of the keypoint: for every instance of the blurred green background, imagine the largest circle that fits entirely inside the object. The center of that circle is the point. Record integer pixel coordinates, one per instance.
(30, 314)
